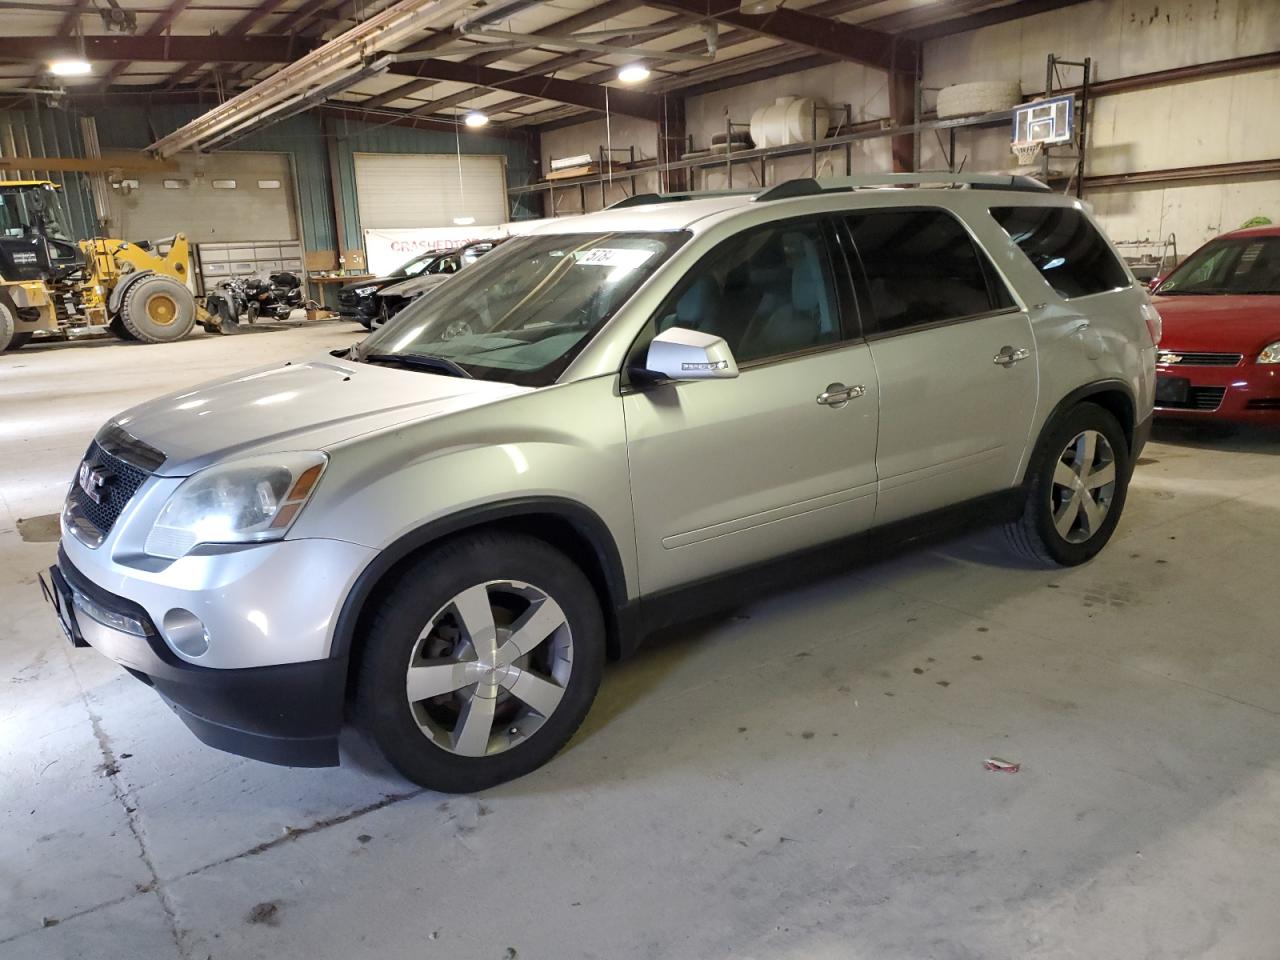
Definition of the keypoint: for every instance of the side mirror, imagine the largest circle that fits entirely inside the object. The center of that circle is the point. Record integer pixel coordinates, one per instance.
(679, 354)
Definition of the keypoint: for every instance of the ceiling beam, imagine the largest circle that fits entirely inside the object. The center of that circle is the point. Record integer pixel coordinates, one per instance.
(72, 18)
(985, 18)
(260, 49)
(158, 26)
(237, 29)
(600, 12)
(817, 33)
(630, 103)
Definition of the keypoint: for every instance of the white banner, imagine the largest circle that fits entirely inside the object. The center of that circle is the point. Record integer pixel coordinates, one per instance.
(386, 250)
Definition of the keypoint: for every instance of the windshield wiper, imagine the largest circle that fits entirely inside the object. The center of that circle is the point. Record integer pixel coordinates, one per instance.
(420, 361)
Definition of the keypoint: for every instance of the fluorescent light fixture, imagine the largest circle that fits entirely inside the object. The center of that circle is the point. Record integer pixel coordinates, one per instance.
(475, 119)
(463, 221)
(633, 73)
(71, 68)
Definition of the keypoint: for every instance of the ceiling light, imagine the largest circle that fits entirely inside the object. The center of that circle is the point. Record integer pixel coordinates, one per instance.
(463, 221)
(71, 68)
(758, 8)
(633, 73)
(475, 119)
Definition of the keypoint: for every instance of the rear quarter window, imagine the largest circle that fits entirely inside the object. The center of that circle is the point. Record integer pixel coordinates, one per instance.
(1065, 247)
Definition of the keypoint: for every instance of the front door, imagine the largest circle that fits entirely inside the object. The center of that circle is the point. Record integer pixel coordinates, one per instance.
(956, 360)
(728, 473)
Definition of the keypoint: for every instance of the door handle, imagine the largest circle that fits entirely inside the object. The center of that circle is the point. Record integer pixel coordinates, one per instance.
(1008, 356)
(837, 394)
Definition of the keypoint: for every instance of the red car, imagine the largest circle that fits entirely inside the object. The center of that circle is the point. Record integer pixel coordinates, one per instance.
(1219, 357)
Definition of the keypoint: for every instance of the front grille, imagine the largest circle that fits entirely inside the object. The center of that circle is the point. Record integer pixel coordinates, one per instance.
(348, 298)
(1181, 358)
(1199, 398)
(1264, 403)
(120, 481)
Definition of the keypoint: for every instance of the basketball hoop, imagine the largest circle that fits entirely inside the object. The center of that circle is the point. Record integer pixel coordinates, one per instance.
(1026, 151)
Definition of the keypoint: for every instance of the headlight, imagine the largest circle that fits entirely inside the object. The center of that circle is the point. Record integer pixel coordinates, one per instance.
(1270, 353)
(241, 501)
(365, 291)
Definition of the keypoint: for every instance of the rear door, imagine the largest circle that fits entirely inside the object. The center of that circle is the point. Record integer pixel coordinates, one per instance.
(955, 357)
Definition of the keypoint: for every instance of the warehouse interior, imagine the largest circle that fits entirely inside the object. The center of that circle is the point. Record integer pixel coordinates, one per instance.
(936, 748)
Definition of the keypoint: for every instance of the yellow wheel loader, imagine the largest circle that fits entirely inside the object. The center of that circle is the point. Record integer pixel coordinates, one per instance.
(140, 291)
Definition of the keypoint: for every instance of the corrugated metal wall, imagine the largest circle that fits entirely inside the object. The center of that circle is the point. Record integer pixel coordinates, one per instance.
(303, 138)
(50, 133)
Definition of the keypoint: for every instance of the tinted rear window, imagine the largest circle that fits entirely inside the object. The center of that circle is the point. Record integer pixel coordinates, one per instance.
(1065, 247)
(922, 267)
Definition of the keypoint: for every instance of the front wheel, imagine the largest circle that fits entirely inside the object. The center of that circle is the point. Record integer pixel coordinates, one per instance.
(481, 663)
(1076, 490)
(158, 309)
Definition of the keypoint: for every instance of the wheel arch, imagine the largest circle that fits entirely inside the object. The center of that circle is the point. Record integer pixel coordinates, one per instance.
(120, 289)
(567, 525)
(1114, 396)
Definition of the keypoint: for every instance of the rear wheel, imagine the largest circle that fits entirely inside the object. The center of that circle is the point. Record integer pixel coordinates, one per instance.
(158, 310)
(10, 339)
(1076, 491)
(119, 330)
(481, 663)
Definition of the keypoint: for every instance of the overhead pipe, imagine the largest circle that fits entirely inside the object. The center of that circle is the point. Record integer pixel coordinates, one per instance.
(348, 53)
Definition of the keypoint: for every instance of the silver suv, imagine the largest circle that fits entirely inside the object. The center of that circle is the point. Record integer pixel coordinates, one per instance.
(620, 420)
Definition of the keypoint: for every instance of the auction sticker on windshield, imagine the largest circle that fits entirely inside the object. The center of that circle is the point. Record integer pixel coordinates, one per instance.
(628, 257)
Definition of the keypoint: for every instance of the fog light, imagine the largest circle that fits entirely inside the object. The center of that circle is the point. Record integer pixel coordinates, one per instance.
(108, 618)
(185, 632)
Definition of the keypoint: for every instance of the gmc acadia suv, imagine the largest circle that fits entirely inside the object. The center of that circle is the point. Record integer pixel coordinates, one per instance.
(617, 421)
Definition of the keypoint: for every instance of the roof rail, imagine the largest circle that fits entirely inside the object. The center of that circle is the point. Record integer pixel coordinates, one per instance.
(644, 199)
(808, 186)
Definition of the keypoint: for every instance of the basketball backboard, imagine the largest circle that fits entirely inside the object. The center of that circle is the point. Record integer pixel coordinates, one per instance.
(1045, 121)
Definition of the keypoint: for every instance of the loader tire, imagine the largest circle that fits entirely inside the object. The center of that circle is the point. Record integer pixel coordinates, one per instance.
(120, 331)
(10, 339)
(158, 310)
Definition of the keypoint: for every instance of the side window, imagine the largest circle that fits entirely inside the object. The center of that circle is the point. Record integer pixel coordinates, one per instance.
(767, 292)
(922, 267)
(1065, 247)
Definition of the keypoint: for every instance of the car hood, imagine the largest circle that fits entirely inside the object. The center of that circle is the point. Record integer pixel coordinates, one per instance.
(415, 285)
(378, 282)
(301, 405)
(1226, 323)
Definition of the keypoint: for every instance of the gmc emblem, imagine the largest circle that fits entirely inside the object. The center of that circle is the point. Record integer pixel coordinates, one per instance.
(93, 481)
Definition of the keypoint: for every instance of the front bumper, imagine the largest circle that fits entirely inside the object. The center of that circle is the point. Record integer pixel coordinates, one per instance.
(288, 714)
(1249, 393)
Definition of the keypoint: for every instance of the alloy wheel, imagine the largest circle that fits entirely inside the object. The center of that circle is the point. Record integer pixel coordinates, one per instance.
(489, 668)
(1083, 488)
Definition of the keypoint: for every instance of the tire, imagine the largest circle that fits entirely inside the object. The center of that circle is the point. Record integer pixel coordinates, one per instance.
(19, 340)
(457, 740)
(120, 331)
(1038, 535)
(8, 336)
(972, 99)
(158, 309)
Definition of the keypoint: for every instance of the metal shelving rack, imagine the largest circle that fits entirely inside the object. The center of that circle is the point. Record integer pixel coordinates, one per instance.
(871, 130)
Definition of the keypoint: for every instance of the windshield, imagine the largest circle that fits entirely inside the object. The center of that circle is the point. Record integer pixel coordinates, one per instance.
(1235, 265)
(23, 209)
(419, 263)
(522, 312)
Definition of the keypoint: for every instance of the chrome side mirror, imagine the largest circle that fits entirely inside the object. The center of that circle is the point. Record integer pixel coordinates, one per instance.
(680, 354)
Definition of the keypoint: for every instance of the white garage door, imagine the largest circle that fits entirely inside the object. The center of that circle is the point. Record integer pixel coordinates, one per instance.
(225, 197)
(405, 190)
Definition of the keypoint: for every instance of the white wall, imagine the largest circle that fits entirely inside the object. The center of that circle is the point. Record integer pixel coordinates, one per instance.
(865, 89)
(589, 137)
(1210, 121)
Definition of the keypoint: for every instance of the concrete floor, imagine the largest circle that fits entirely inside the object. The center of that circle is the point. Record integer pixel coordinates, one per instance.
(802, 780)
